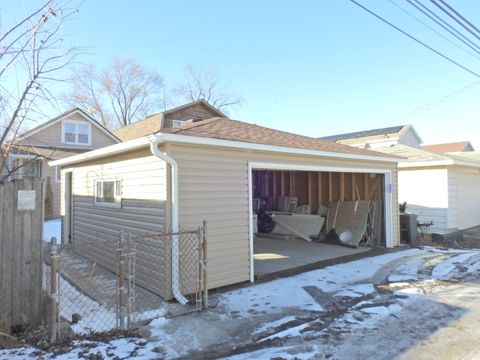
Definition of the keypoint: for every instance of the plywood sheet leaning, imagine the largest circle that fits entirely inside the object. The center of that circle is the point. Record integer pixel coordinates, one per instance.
(302, 226)
(351, 221)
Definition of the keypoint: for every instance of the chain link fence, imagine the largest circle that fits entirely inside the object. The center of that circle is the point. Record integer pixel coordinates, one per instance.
(99, 286)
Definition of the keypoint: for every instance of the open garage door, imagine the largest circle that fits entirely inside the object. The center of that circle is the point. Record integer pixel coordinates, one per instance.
(302, 217)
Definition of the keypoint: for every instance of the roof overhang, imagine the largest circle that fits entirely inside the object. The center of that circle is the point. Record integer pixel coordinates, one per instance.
(204, 141)
(437, 163)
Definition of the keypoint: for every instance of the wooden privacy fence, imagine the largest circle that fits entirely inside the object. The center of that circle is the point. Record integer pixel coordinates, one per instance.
(21, 225)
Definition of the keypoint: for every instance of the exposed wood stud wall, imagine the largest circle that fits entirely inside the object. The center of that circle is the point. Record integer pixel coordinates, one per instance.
(318, 188)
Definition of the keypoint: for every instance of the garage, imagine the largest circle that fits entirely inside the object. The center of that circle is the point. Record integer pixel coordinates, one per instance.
(307, 201)
(221, 170)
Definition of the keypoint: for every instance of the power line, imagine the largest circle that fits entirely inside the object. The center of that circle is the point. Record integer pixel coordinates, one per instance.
(445, 25)
(456, 18)
(436, 102)
(415, 39)
(435, 31)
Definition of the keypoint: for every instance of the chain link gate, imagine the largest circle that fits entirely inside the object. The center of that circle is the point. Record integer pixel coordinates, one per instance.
(90, 292)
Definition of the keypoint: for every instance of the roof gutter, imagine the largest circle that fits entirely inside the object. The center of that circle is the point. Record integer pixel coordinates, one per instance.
(174, 201)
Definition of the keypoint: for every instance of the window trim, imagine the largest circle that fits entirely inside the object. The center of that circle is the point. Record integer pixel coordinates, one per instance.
(179, 122)
(117, 198)
(77, 123)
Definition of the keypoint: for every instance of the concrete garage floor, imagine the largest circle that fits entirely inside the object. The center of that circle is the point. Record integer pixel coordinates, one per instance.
(276, 255)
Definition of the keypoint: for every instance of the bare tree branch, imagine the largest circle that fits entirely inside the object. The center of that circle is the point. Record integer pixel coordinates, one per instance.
(203, 83)
(31, 54)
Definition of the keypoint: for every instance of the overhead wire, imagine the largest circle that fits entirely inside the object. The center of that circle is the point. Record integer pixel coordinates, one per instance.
(456, 17)
(436, 32)
(415, 39)
(444, 24)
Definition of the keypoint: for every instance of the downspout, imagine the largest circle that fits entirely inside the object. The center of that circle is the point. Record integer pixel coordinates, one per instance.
(174, 199)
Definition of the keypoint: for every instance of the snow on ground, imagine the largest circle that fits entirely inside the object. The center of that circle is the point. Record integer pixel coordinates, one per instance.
(271, 309)
(52, 228)
(278, 294)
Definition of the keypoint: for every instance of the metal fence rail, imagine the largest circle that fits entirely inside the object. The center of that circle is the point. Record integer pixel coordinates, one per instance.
(86, 296)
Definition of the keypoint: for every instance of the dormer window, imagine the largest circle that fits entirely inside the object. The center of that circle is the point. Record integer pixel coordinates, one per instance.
(76, 132)
(177, 123)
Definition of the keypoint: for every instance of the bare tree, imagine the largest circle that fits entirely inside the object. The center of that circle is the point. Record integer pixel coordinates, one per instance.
(121, 94)
(205, 83)
(32, 56)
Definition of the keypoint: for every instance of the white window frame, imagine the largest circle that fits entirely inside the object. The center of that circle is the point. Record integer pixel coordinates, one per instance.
(177, 123)
(77, 123)
(117, 198)
(19, 174)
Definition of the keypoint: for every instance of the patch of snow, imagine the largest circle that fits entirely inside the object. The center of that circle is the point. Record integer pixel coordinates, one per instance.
(52, 228)
(406, 271)
(274, 324)
(357, 290)
(278, 293)
(382, 310)
(443, 269)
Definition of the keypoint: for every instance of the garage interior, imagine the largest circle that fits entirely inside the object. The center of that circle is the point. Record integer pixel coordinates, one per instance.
(297, 204)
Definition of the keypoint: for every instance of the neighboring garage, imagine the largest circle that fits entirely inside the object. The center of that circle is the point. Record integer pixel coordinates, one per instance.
(220, 170)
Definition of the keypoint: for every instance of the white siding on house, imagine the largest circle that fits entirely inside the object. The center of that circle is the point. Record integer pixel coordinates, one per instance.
(468, 195)
(426, 194)
(408, 138)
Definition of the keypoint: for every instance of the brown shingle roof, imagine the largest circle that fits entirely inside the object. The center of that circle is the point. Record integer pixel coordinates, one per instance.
(147, 126)
(449, 147)
(227, 129)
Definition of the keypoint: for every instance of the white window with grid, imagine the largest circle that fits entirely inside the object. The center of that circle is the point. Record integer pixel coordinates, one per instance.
(108, 192)
(76, 132)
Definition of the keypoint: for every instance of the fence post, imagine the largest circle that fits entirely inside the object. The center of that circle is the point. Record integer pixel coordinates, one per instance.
(130, 279)
(53, 291)
(205, 264)
(121, 278)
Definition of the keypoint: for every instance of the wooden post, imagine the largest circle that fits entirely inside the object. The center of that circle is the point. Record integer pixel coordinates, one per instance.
(282, 183)
(342, 186)
(365, 187)
(53, 291)
(121, 280)
(310, 190)
(205, 264)
(330, 187)
(319, 189)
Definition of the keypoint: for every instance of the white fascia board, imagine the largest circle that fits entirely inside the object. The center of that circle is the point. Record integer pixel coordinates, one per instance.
(183, 139)
(194, 140)
(406, 165)
(108, 150)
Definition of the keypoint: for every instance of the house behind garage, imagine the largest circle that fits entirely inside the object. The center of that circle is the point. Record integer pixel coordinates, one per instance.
(126, 187)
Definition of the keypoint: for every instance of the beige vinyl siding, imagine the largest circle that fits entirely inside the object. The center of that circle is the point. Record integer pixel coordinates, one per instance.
(143, 210)
(213, 185)
(52, 136)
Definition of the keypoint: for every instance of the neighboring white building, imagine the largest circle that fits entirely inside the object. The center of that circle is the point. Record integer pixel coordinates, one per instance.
(439, 186)
(402, 134)
(443, 188)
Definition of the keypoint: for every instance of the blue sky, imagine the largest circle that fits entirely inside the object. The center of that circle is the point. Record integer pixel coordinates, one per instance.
(311, 67)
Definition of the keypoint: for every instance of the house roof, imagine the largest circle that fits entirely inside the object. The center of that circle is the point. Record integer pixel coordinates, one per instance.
(449, 147)
(63, 116)
(415, 157)
(360, 138)
(152, 124)
(364, 133)
(48, 153)
(228, 129)
(222, 132)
